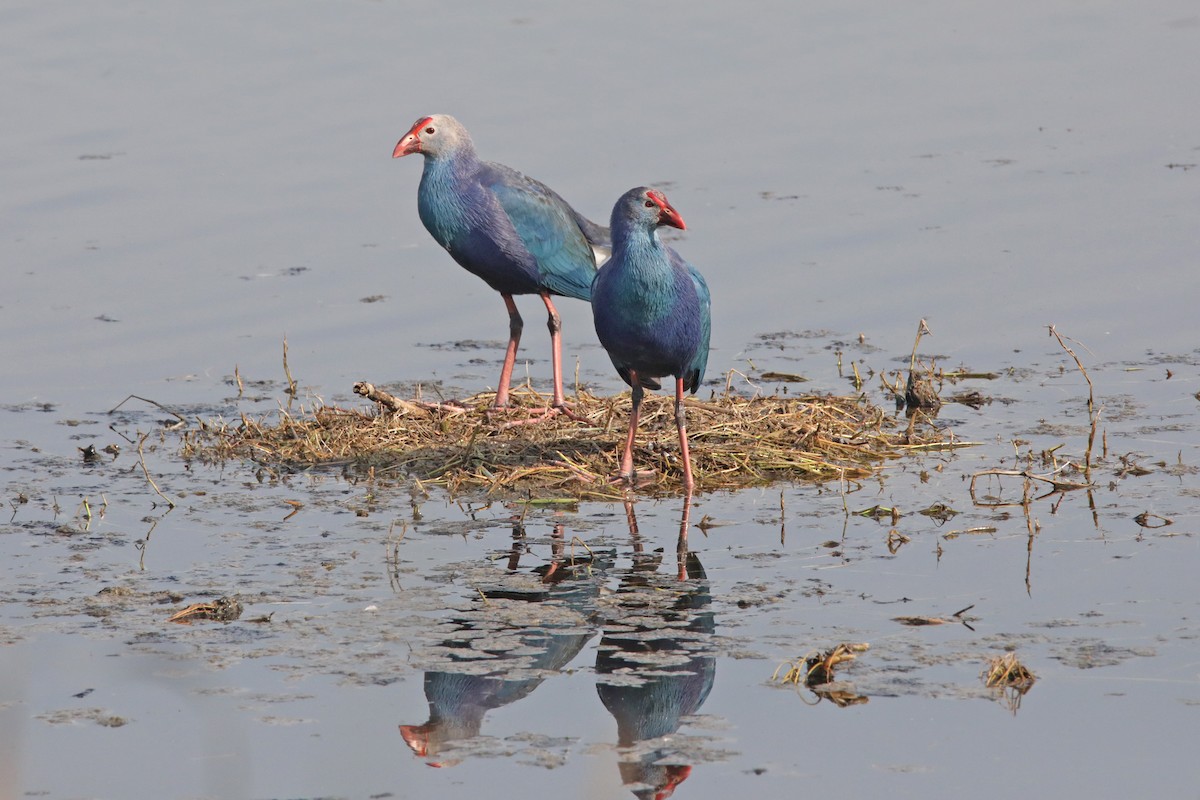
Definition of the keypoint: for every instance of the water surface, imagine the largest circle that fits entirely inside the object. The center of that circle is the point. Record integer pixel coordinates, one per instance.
(186, 185)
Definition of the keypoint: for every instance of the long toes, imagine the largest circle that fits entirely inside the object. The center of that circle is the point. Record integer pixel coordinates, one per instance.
(566, 411)
(536, 415)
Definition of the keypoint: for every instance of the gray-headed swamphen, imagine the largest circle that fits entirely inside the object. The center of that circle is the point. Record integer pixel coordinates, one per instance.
(516, 233)
(652, 311)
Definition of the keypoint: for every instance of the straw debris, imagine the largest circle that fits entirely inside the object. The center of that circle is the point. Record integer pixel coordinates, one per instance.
(736, 441)
(817, 668)
(1009, 678)
(1008, 671)
(815, 672)
(223, 609)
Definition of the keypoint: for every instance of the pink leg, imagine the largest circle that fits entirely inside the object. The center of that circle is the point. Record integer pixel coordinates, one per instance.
(627, 471)
(558, 404)
(554, 323)
(681, 424)
(515, 324)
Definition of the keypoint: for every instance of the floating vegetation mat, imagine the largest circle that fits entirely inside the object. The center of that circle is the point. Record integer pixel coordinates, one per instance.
(735, 441)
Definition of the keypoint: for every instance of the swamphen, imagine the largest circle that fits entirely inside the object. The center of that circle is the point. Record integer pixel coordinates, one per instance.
(511, 230)
(652, 312)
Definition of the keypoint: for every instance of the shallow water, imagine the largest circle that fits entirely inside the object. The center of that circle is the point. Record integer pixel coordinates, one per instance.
(187, 185)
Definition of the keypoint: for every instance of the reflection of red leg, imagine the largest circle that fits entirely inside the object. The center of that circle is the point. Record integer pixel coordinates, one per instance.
(681, 424)
(681, 546)
(627, 471)
(631, 521)
(518, 546)
(556, 552)
(635, 537)
(515, 324)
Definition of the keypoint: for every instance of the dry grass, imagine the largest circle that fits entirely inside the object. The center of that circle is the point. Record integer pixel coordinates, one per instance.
(817, 668)
(736, 442)
(1010, 679)
(1007, 671)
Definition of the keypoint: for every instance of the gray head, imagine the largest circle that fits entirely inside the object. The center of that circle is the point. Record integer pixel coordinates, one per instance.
(434, 136)
(645, 207)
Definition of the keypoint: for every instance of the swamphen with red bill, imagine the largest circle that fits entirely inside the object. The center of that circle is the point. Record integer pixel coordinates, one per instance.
(652, 311)
(516, 233)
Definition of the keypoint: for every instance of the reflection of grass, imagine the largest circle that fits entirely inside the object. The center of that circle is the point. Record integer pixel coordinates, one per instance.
(1010, 678)
(735, 441)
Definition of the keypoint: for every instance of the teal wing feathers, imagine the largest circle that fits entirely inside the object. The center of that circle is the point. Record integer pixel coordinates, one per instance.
(548, 228)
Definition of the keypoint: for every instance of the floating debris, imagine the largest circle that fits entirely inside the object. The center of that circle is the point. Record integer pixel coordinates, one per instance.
(815, 672)
(895, 540)
(782, 377)
(1007, 670)
(1011, 679)
(1148, 520)
(917, 620)
(878, 512)
(972, 530)
(223, 609)
(817, 668)
(972, 399)
(939, 512)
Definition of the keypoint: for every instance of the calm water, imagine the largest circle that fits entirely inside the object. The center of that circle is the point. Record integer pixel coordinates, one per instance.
(185, 185)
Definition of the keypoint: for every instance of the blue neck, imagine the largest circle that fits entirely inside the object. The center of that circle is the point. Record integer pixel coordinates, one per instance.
(647, 278)
(441, 199)
(636, 244)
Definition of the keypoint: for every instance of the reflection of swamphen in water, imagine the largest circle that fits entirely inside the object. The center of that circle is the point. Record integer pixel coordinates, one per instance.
(458, 701)
(479, 675)
(652, 312)
(516, 233)
(656, 648)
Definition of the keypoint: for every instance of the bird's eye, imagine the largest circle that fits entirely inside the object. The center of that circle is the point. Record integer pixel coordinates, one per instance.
(649, 204)
(429, 129)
